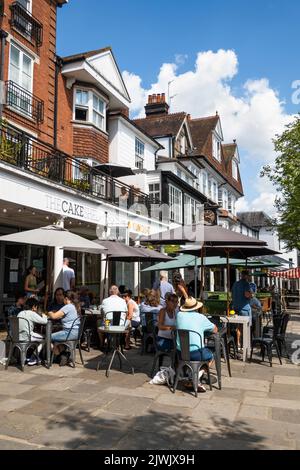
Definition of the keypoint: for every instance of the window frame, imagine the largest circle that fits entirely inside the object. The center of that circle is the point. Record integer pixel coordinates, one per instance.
(173, 204)
(29, 2)
(22, 54)
(89, 107)
(235, 173)
(139, 156)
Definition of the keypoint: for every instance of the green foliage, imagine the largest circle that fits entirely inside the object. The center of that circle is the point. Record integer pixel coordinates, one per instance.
(9, 150)
(81, 185)
(285, 175)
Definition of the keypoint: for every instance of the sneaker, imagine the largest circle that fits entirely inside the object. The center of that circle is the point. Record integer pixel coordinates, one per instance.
(32, 361)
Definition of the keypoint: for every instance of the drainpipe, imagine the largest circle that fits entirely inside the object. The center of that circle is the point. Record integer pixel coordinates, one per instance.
(58, 64)
(3, 36)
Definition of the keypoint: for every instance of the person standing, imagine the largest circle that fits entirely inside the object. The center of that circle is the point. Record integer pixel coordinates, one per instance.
(68, 276)
(30, 285)
(241, 297)
(165, 287)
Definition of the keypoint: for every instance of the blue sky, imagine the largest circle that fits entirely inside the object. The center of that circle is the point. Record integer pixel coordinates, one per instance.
(263, 35)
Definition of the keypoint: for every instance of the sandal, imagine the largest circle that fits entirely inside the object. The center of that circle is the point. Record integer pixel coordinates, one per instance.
(189, 386)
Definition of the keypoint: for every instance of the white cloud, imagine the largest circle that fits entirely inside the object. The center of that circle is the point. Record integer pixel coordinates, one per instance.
(253, 115)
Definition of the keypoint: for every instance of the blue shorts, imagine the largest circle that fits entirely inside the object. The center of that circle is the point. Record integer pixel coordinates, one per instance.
(203, 354)
(245, 312)
(61, 336)
(164, 344)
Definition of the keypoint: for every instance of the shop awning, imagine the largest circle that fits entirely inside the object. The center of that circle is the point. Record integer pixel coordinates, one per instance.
(289, 274)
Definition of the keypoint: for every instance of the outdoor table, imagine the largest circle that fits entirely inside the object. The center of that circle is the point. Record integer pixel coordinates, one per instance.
(116, 332)
(246, 322)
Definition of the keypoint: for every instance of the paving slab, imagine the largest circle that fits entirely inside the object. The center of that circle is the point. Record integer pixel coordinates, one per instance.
(137, 392)
(289, 416)
(62, 384)
(14, 377)
(286, 380)
(11, 389)
(19, 425)
(128, 406)
(11, 404)
(287, 392)
(249, 411)
(273, 403)
(246, 384)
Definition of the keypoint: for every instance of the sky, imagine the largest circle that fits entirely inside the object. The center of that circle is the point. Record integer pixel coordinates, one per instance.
(240, 58)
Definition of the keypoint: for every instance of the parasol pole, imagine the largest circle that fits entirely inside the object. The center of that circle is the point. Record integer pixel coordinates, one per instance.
(196, 277)
(202, 273)
(228, 282)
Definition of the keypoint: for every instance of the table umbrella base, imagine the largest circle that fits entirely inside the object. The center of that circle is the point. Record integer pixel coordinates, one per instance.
(121, 356)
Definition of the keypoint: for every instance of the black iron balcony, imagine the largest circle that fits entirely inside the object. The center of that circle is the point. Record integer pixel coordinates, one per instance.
(26, 24)
(36, 157)
(24, 102)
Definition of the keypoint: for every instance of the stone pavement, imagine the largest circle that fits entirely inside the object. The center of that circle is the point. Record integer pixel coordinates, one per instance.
(65, 408)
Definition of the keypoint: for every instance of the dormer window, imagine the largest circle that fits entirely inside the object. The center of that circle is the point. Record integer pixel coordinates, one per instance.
(235, 169)
(216, 148)
(183, 145)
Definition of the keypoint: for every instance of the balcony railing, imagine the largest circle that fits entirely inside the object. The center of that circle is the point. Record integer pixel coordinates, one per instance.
(32, 155)
(26, 24)
(24, 102)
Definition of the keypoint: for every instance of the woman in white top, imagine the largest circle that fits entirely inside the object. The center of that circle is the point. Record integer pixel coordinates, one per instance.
(167, 323)
(133, 314)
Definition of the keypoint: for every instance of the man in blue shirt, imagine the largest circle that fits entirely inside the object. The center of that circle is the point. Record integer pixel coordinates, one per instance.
(241, 296)
(165, 287)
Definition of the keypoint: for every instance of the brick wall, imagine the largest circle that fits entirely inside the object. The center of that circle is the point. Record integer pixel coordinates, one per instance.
(90, 142)
(44, 68)
(65, 115)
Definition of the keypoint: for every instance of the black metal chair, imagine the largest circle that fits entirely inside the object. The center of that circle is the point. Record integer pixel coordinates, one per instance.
(184, 361)
(148, 332)
(160, 355)
(281, 336)
(226, 342)
(71, 345)
(268, 342)
(15, 343)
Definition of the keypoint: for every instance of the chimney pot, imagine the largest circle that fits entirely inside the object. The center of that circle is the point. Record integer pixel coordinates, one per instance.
(163, 97)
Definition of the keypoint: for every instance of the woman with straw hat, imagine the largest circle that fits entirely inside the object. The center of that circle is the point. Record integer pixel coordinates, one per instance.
(189, 318)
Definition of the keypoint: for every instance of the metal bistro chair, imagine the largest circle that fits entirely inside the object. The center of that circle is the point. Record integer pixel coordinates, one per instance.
(268, 342)
(185, 361)
(160, 355)
(15, 343)
(148, 332)
(71, 345)
(280, 323)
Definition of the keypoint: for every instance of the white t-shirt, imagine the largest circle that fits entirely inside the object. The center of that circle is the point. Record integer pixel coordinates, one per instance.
(114, 303)
(136, 311)
(68, 275)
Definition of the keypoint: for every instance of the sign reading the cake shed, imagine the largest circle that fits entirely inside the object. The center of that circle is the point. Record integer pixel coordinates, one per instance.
(71, 209)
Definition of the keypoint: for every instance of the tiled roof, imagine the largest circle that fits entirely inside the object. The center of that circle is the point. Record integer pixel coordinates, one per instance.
(85, 55)
(201, 130)
(255, 219)
(162, 125)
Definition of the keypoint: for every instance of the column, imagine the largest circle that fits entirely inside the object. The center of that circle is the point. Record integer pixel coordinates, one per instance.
(211, 281)
(58, 263)
(136, 279)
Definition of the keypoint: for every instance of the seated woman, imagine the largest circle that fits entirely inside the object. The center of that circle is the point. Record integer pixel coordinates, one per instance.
(69, 316)
(28, 319)
(30, 286)
(150, 305)
(133, 315)
(167, 323)
(189, 318)
(58, 300)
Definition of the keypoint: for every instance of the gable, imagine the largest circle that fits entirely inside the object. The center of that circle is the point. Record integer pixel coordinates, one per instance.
(106, 65)
(218, 130)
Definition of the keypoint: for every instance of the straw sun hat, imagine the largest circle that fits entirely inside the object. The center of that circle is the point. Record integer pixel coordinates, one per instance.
(190, 305)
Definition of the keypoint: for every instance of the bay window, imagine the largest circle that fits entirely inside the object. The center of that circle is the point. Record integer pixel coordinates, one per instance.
(139, 154)
(90, 108)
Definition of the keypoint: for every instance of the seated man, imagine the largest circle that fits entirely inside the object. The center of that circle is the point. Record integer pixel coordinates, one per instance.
(189, 318)
(28, 318)
(113, 303)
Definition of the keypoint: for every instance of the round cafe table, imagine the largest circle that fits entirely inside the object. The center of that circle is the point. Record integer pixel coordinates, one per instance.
(117, 350)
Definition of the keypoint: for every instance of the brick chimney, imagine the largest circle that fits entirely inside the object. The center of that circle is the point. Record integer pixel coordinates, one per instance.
(156, 105)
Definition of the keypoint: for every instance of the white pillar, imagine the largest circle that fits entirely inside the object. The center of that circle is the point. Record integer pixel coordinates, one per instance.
(58, 263)
(225, 280)
(103, 276)
(212, 281)
(136, 279)
(83, 269)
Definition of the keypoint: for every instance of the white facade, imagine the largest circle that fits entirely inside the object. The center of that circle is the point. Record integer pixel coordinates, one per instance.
(271, 237)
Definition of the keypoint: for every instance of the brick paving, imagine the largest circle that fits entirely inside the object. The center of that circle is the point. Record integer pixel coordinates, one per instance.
(65, 408)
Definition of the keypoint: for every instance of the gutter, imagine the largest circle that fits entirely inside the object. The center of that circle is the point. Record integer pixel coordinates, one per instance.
(3, 36)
